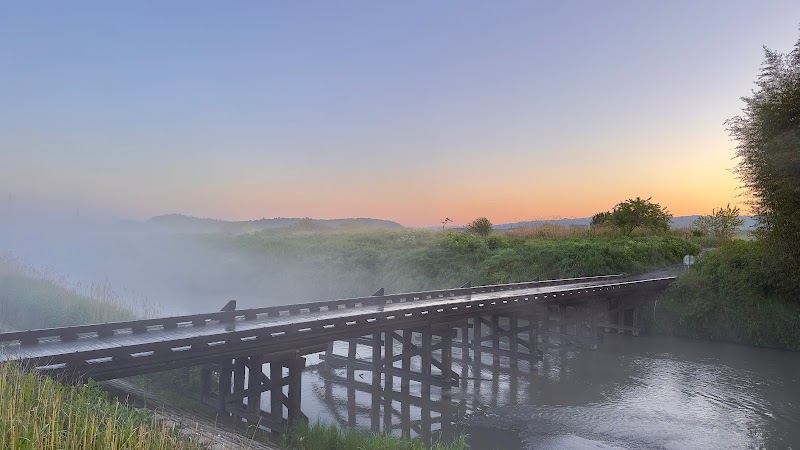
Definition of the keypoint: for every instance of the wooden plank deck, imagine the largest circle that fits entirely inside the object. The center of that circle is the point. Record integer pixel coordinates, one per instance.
(114, 350)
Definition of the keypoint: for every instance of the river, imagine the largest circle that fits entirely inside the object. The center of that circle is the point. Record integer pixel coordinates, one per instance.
(633, 392)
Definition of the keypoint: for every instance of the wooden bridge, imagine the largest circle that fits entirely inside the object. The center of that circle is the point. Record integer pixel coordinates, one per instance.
(408, 336)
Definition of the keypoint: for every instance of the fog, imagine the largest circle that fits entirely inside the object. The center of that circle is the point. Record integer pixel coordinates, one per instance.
(173, 268)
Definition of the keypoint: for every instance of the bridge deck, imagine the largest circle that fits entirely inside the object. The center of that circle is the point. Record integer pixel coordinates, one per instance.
(130, 350)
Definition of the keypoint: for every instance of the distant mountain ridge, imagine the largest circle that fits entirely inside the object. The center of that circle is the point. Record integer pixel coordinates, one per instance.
(197, 224)
(677, 222)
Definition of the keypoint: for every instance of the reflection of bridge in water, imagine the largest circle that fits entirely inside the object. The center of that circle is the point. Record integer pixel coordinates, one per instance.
(406, 345)
(372, 383)
(399, 405)
(354, 397)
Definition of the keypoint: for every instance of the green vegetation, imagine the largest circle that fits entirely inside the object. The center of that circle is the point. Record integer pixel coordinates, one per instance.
(634, 214)
(329, 437)
(768, 135)
(356, 264)
(33, 299)
(480, 226)
(721, 223)
(749, 292)
(40, 413)
(731, 294)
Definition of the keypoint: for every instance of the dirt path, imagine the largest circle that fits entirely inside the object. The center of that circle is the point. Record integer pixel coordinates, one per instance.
(218, 436)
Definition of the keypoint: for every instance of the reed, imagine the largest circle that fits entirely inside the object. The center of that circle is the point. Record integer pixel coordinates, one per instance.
(39, 413)
(34, 298)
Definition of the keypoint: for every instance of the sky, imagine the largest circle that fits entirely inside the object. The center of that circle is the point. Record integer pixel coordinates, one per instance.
(410, 111)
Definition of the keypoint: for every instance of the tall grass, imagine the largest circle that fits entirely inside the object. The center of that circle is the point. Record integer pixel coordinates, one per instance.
(33, 298)
(330, 437)
(294, 267)
(39, 413)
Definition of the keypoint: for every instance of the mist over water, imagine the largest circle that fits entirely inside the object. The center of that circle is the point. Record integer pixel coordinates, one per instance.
(631, 393)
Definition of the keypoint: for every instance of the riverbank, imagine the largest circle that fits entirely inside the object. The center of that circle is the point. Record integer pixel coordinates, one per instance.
(277, 263)
(731, 294)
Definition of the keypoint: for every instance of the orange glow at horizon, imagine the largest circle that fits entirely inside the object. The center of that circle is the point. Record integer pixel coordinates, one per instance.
(696, 190)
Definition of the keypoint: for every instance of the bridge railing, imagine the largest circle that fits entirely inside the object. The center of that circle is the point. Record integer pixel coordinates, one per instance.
(72, 333)
(282, 337)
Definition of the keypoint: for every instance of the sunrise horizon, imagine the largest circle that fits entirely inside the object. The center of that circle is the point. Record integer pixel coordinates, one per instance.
(410, 113)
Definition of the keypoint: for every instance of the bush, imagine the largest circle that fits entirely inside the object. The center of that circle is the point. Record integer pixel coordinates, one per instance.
(730, 295)
(480, 226)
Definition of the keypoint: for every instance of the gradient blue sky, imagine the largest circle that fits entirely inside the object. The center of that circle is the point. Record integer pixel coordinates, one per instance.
(410, 111)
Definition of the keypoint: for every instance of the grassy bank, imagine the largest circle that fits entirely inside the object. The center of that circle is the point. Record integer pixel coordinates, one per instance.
(39, 413)
(32, 298)
(293, 266)
(329, 437)
(731, 294)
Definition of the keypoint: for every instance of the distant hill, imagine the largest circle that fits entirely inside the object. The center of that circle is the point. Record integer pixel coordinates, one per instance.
(677, 222)
(582, 222)
(202, 225)
(686, 222)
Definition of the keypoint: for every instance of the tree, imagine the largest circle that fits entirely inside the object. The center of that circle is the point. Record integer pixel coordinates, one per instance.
(720, 223)
(768, 135)
(600, 220)
(635, 213)
(480, 226)
(445, 221)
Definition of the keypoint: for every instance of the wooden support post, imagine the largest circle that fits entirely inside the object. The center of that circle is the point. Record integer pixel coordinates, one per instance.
(376, 359)
(388, 352)
(426, 358)
(205, 384)
(351, 403)
(238, 380)
(425, 422)
(352, 346)
(533, 339)
(496, 339)
(513, 389)
(464, 343)
(276, 394)
(388, 411)
(375, 415)
(254, 385)
(405, 419)
(225, 374)
(562, 323)
(329, 354)
(477, 333)
(593, 312)
(447, 360)
(546, 326)
(464, 350)
(407, 335)
(513, 330)
(294, 413)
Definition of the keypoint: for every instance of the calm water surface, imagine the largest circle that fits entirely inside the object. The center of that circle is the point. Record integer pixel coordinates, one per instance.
(635, 393)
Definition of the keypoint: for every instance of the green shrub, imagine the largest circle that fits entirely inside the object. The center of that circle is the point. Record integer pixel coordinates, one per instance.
(730, 294)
